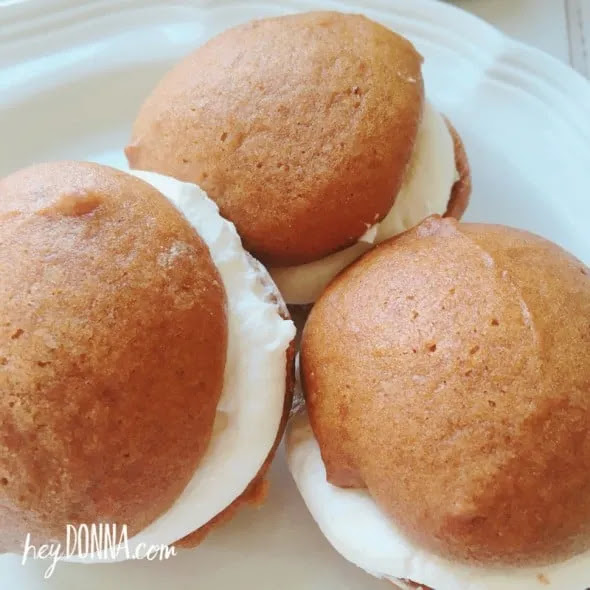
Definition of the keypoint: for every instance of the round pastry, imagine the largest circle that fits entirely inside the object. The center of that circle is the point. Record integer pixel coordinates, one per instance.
(447, 435)
(312, 134)
(145, 358)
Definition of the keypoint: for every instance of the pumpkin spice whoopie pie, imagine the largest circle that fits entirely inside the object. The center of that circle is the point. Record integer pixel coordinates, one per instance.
(447, 435)
(146, 358)
(312, 134)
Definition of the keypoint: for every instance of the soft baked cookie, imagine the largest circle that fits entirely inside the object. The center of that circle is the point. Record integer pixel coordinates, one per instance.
(146, 359)
(312, 134)
(447, 435)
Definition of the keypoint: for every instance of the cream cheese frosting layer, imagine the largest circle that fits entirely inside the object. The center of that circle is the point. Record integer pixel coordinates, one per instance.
(365, 536)
(251, 405)
(426, 190)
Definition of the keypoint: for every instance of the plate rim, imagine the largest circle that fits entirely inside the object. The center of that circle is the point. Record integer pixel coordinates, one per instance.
(24, 20)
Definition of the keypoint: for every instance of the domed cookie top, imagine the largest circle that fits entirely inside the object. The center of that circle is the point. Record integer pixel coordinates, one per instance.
(112, 350)
(448, 372)
(299, 127)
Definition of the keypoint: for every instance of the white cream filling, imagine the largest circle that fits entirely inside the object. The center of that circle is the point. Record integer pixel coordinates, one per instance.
(251, 405)
(364, 535)
(426, 190)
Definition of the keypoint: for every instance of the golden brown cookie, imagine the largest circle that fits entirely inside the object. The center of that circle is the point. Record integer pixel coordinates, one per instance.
(112, 351)
(461, 190)
(299, 127)
(448, 372)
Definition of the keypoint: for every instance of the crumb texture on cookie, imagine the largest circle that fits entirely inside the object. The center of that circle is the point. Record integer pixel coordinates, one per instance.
(364, 535)
(257, 385)
(112, 351)
(299, 127)
(448, 372)
(437, 181)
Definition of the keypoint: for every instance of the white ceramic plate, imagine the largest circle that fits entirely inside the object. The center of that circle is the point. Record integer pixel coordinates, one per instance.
(72, 75)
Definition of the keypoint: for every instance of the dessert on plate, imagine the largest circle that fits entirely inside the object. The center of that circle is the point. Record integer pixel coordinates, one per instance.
(446, 442)
(145, 359)
(313, 134)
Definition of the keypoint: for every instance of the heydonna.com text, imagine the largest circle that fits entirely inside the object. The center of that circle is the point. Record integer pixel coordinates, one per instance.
(93, 543)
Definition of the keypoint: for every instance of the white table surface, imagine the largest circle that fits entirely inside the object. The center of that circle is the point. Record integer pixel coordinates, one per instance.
(559, 27)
